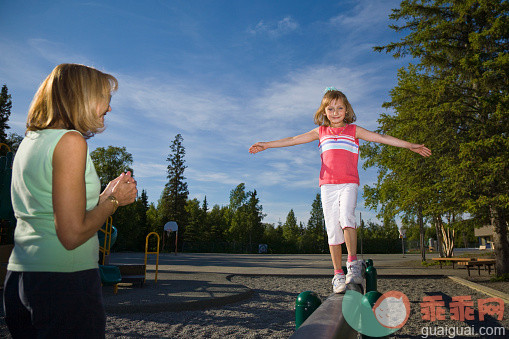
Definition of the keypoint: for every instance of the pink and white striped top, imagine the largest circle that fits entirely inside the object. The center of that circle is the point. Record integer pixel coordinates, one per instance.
(340, 155)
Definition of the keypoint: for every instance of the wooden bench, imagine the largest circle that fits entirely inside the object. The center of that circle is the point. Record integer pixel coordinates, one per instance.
(487, 263)
(132, 273)
(452, 260)
(469, 262)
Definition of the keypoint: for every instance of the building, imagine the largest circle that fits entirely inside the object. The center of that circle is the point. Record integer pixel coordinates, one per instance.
(485, 236)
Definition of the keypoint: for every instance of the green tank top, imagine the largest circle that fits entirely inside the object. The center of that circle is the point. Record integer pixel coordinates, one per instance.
(36, 246)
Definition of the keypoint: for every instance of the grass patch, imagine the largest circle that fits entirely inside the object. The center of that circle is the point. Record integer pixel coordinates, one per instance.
(429, 263)
(503, 277)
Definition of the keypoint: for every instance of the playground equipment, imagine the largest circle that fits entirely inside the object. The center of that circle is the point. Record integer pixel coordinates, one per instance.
(110, 275)
(7, 219)
(156, 252)
(107, 237)
(371, 277)
(171, 226)
(137, 273)
(328, 321)
(307, 302)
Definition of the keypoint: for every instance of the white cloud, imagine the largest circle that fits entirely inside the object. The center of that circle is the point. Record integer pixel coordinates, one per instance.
(216, 177)
(293, 100)
(19, 65)
(364, 15)
(149, 170)
(57, 53)
(275, 29)
(174, 103)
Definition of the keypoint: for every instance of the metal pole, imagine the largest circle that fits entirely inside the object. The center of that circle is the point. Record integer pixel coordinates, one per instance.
(362, 230)
(403, 245)
(176, 240)
(324, 237)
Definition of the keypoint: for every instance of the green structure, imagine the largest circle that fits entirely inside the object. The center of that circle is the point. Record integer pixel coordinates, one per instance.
(371, 279)
(307, 302)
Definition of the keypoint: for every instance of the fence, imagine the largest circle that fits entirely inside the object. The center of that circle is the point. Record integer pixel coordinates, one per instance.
(369, 246)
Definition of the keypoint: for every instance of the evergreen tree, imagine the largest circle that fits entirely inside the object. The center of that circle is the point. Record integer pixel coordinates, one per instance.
(315, 229)
(245, 215)
(143, 209)
(254, 219)
(273, 237)
(205, 230)
(291, 230)
(174, 197)
(458, 90)
(218, 221)
(194, 221)
(236, 214)
(205, 205)
(5, 113)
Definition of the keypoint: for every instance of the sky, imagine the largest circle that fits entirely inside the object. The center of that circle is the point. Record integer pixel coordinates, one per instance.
(223, 74)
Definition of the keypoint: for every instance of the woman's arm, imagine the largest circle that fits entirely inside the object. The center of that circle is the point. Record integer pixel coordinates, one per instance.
(366, 135)
(74, 225)
(290, 141)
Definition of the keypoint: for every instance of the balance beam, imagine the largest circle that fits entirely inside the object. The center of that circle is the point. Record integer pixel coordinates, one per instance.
(328, 321)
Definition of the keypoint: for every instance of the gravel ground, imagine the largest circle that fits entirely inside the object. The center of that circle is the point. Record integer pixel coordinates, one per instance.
(270, 312)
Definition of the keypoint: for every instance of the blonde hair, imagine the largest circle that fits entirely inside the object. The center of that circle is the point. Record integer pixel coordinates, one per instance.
(68, 98)
(329, 96)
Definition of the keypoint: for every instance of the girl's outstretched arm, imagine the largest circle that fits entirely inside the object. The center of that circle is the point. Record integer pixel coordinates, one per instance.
(366, 135)
(291, 141)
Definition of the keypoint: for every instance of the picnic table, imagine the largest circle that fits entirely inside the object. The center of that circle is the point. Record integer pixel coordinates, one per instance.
(469, 263)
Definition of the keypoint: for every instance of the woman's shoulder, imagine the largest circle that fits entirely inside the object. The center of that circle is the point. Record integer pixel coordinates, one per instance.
(70, 145)
(72, 137)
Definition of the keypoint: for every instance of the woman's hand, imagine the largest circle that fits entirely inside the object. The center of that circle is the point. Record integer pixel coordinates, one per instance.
(109, 188)
(420, 149)
(258, 147)
(124, 189)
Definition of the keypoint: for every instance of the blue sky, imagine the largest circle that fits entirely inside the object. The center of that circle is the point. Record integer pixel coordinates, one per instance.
(224, 74)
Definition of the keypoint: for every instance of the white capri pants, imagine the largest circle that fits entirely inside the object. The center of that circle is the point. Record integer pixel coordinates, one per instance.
(338, 203)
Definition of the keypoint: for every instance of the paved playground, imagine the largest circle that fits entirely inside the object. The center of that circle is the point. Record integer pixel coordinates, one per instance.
(190, 281)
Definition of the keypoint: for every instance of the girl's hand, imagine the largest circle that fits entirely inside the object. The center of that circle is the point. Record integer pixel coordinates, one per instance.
(420, 149)
(258, 147)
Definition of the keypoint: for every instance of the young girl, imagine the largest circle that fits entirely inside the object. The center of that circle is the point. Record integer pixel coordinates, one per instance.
(339, 179)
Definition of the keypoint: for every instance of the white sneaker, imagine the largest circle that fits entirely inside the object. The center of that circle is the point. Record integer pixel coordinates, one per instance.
(338, 283)
(354, 272)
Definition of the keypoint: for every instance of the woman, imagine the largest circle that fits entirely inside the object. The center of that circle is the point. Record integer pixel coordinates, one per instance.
(53, 288)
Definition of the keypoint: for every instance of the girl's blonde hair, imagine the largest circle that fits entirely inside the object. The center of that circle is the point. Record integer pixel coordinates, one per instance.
(329, 96)
(68, 98)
